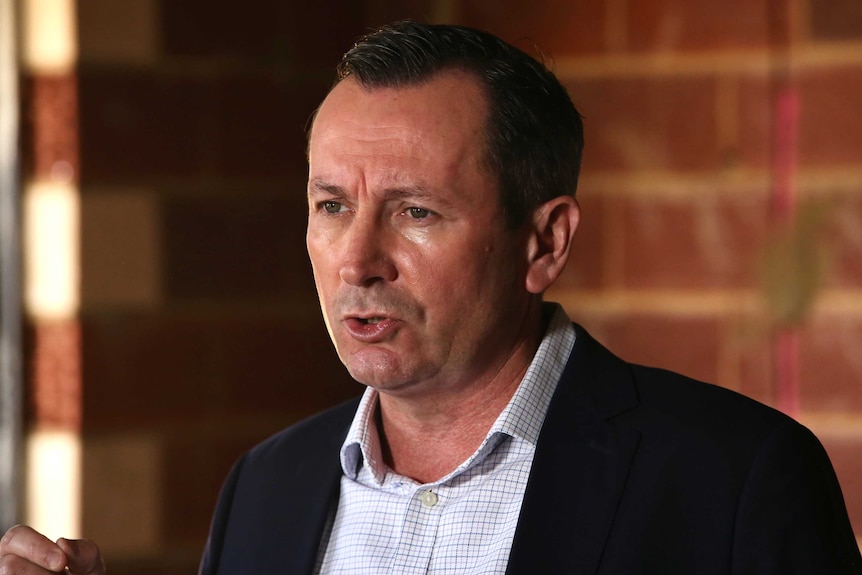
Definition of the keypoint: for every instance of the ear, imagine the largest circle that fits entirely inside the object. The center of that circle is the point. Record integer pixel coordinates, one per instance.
(552, 228)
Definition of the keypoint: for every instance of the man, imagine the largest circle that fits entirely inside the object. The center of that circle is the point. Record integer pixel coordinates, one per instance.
(494, 435)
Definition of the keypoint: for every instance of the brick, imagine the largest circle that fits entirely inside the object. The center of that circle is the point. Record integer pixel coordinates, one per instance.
(749, 368)
(274, 367)
(339, 23)
(235, 247)
(830, 366)
(701, 243)
(117, 32)
(688, 345)
(585, 269)
(755, 117)
(50, 126)
(648, 123)
(680, 25)
(830, 129)
(120, 252)
(258, 129)
(822, 384)
(794, 265)
(139, 126)
(380, 13)
(206, 29)
(121, 493)
(556, 27)
(150, 369)
(842, 240)
(844, 452)
(145, 369)
(829, 132)
(55, 373)
(732, 352)
(295, 33)
(836, 20)
(136, 125)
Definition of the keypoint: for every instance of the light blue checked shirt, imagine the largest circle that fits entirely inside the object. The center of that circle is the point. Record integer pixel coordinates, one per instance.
(465, 522)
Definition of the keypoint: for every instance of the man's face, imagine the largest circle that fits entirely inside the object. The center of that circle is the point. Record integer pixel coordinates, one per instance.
(420, 282)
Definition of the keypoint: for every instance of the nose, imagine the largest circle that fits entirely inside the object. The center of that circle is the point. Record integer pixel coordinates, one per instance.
(367, 257)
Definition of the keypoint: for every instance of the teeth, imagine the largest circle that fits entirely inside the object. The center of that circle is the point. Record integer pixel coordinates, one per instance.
(374, 320)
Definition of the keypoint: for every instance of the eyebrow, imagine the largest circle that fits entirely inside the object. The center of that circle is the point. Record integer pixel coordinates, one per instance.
(319, 185)
(411, 192)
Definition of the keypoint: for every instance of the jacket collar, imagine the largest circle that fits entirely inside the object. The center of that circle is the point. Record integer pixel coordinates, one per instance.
(580, 468)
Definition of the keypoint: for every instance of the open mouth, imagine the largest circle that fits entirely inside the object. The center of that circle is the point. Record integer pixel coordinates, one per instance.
(371, 329)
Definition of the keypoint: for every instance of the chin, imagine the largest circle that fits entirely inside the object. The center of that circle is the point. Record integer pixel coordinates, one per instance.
(378, 368)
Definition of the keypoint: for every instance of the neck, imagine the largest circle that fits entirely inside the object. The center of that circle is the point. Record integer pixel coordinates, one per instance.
(426, 438)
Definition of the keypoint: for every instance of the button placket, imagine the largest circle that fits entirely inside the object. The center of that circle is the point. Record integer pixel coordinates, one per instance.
(418, 534)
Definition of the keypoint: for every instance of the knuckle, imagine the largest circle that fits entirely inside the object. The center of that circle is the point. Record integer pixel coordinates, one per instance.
(91, 549)
(8, 537)
(11, 564)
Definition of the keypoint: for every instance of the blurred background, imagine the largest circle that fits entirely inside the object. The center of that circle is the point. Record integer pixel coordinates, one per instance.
(158, 311)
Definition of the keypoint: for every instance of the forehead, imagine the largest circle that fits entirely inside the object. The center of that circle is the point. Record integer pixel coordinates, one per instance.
(440, 117)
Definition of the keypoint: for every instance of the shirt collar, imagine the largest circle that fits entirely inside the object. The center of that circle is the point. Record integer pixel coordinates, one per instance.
(521, 418)
(525, 413)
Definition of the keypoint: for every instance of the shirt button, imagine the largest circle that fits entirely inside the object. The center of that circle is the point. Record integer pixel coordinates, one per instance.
(428, 498)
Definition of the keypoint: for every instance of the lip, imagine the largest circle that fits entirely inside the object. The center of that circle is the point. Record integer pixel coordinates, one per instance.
(359, 328)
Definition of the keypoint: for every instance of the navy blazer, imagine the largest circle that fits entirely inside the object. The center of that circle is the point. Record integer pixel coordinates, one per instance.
(637, 470)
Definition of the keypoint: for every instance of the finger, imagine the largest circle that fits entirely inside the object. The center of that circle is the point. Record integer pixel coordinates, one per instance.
(84, 556)
(31, 545)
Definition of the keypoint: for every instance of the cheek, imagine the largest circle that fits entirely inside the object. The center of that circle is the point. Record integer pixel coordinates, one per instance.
(317, 273)
(320, 254)
(321, 238)
(323, 282)
(455, 289)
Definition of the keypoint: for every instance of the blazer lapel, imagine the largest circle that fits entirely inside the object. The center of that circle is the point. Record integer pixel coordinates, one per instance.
(580, 467)
(309, 509)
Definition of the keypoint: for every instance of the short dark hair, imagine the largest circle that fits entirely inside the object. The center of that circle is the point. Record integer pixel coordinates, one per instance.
(534, 134)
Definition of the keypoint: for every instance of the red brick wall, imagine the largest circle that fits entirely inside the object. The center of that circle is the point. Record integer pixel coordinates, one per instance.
(192, 165)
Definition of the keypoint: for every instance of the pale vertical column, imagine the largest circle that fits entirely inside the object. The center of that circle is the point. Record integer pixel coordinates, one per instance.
(10, 299)
(51, 267)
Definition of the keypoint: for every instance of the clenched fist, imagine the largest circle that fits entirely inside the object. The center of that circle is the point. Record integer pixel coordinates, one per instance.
(24, 551)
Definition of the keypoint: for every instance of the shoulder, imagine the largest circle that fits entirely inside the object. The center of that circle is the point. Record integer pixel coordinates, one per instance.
(669, 408)
(259, 522)
(688, 402)
(690, 450)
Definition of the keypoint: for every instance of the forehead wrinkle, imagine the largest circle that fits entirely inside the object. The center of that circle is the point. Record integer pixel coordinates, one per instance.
(343, 128)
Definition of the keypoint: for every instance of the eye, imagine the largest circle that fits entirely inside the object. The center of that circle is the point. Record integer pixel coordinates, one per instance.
(331, 207)
(418, 213)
